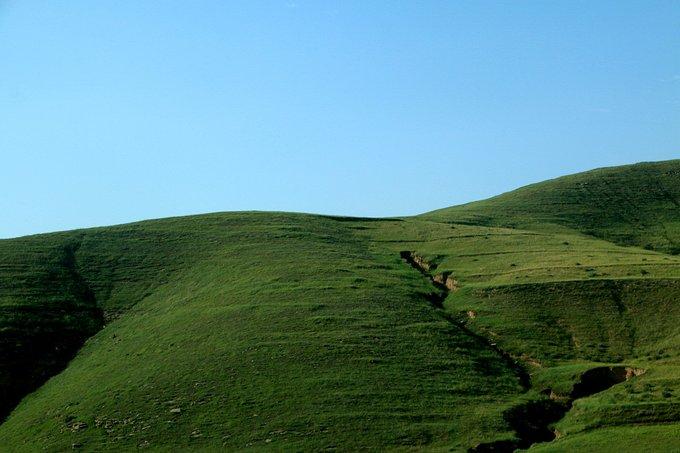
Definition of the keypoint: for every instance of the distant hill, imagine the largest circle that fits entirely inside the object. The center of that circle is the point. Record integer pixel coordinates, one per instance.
(630, 205)
(545, 318)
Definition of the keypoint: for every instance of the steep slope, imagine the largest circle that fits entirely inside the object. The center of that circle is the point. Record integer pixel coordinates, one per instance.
(630, 205)
(47, 311)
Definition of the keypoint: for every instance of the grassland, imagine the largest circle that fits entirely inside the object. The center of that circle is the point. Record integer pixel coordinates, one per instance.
(301, 332)
(631, 205)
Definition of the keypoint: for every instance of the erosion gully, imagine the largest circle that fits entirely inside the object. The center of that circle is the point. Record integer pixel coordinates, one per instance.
(532, 420)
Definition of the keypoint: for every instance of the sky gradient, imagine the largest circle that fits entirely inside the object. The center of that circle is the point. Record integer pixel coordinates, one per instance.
(115, 111)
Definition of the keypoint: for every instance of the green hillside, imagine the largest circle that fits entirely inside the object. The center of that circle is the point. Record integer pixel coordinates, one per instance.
(630, 205)
(543, 318)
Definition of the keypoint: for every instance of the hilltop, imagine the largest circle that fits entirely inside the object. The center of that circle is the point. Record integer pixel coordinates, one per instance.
(630, 205)
(546, 318)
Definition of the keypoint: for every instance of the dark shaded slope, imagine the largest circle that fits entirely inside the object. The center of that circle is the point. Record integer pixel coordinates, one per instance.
(57, 290)
(47, 311)
(629, 205)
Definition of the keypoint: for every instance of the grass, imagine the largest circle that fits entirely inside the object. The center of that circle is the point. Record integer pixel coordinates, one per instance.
(630, 205)
(288, 332)
(301, 332)
(611, 440)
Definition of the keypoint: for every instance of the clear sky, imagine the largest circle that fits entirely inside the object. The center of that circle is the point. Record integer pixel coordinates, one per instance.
(114, 111)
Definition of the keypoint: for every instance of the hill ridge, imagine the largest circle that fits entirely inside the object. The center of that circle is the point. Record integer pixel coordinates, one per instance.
(611, 203)
(294, 331)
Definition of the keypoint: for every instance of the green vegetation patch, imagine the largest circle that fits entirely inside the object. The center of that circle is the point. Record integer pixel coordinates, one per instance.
(300, 332)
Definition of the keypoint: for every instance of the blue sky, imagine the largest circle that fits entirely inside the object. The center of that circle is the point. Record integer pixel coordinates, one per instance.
(114, 111)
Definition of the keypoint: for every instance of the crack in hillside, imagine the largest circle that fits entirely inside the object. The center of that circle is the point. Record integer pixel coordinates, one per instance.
(445, 283)
(532, 421)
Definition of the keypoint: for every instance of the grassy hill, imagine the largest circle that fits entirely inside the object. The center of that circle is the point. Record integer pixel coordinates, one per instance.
(630, 205)
(301, 332)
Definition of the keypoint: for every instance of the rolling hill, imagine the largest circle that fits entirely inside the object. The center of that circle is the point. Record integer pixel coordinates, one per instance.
(545, 318)
(630, 205)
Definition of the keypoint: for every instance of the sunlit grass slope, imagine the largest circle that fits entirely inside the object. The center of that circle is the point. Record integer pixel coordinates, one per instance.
(256, 330)
(300, 332)
(536, 276)
(630, 205)
(561, 303)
